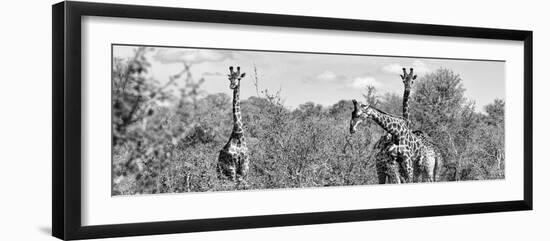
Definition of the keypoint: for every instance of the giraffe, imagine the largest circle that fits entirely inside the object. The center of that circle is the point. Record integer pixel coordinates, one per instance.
(426, 170)
(386, 166)
(405, 144)
(233, 160)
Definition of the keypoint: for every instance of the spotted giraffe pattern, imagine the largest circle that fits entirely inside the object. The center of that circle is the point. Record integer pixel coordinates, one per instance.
(233, 160)
(405, 145)
(428, 170)
(389, 171)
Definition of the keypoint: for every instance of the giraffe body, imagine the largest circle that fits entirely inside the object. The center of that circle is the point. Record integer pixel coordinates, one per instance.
(233, 160)
(429, 169)
(424, 169)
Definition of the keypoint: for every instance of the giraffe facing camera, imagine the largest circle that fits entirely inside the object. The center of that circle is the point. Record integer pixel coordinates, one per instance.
(235, 77)
(233, 160)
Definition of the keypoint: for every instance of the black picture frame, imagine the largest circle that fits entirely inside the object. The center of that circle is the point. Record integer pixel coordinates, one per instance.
(66, 127)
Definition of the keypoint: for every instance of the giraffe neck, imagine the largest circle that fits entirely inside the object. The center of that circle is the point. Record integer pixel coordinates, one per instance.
(406, 95)
(237, 122)
(391, 124)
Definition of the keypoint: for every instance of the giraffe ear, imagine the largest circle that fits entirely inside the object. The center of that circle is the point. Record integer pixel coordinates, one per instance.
(414, 77)
(242, 75)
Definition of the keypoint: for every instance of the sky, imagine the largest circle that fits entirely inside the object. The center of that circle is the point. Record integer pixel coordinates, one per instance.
(320, 78)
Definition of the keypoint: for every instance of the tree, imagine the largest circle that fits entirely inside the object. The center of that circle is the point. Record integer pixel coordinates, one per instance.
(495, 113)
(490, 144)
(441, 110)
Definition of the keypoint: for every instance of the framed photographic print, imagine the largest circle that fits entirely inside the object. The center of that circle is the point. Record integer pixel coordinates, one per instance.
(170, 120)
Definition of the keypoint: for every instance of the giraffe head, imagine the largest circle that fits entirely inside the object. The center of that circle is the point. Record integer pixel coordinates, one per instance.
(235, 77)
(408, 78)
(360, 112)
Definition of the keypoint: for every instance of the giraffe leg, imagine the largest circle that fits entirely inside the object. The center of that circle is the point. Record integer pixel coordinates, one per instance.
(393, 170)
(232, 167)
(406, 164)
(429, 176)
(239, 168)
(402, 151)
(242, 167)
(430, 167)
(381, 171)
(232, 172)
(222, 167)
(381, 178)
(418, 170)
(245, 166)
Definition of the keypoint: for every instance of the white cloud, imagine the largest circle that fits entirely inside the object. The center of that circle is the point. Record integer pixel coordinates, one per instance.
(327, 76)
(362, 82)
(195, 56)
(342, 81)
(420, 68)
(393, 68)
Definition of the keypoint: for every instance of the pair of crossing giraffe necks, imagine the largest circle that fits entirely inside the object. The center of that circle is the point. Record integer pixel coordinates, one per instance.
(418, 158)
(233, 159)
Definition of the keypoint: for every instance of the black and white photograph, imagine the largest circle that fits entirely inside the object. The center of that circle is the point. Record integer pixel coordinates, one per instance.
(192, 119)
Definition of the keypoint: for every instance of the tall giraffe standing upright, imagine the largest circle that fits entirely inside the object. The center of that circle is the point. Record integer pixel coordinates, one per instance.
(427, 169)
(387, 169)
(233, 160)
